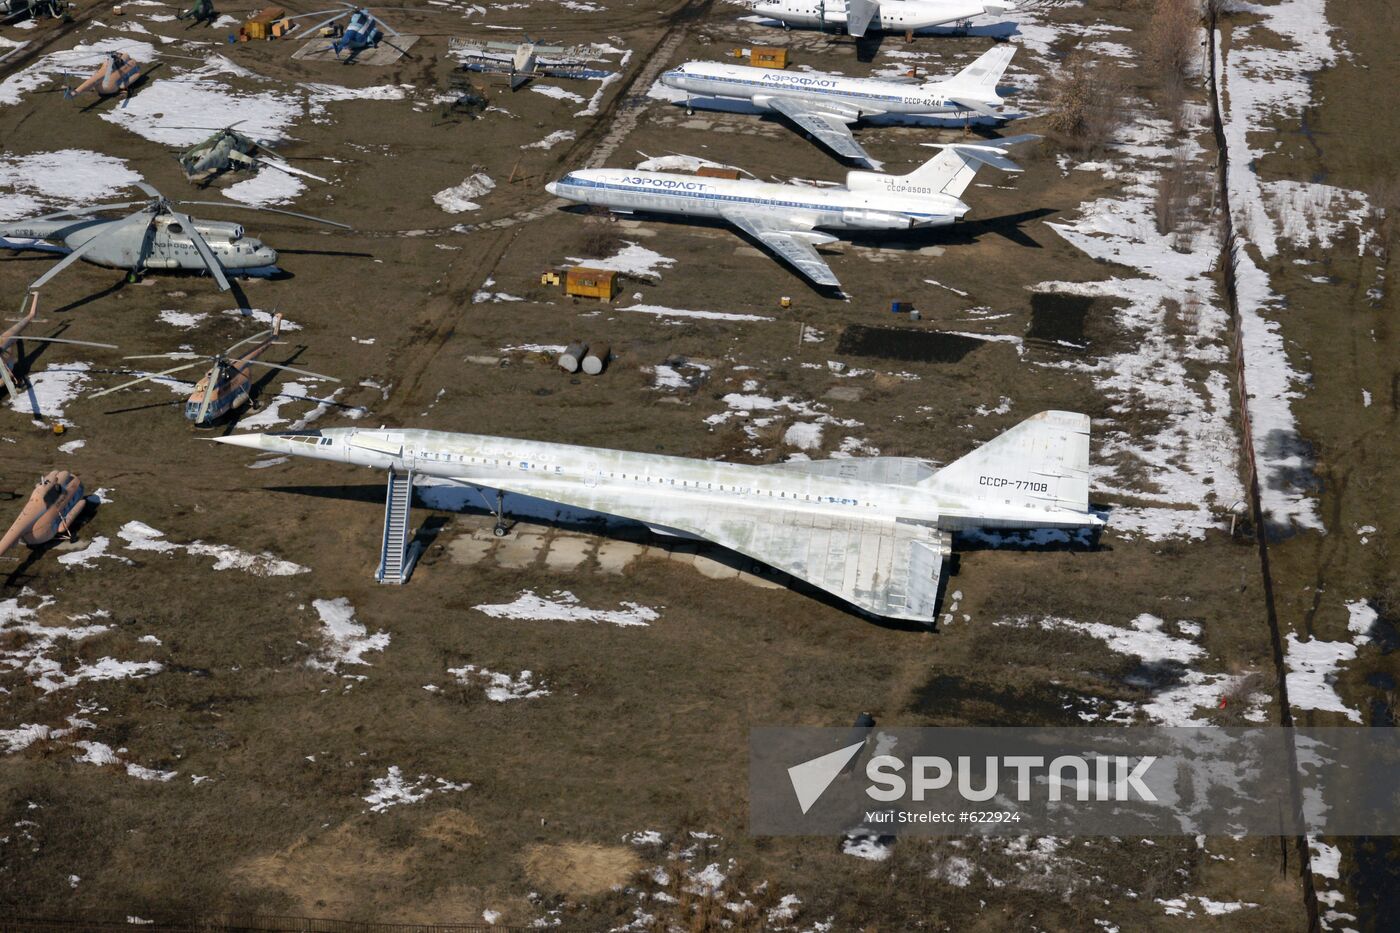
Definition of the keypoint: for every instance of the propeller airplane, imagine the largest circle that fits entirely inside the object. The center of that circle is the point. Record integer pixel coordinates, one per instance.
(156, 236)
(526, 60)
(228, 384)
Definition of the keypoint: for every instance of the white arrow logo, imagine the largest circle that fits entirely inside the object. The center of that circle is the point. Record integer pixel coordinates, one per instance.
(811, 778)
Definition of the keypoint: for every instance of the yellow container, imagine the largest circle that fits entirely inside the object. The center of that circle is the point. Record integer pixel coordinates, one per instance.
(768, 58)
(582, 282)
(549, 278)
(261, 24)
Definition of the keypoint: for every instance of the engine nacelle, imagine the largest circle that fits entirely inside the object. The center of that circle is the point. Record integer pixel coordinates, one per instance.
(875, 220)
(219, 230)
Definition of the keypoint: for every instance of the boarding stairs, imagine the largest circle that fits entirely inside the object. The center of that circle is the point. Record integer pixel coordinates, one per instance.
(395, 562)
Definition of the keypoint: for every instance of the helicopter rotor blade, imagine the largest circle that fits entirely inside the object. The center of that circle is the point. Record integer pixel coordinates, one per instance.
(168, 356)
(272, 210)
(325, 22)
(210, 382)
(211, 262)
(80, 343)
(266, 335)
(113, 228)
(149, 190)
(84, 211)
(146, 378)
(293, 369)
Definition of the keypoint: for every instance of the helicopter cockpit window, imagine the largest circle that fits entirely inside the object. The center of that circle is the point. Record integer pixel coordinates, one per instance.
(175, 228)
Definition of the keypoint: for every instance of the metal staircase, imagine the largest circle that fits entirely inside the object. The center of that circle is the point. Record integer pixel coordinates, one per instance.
(395, 564)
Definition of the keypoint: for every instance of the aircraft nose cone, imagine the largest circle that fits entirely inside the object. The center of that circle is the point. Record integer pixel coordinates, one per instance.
(267, 255)
(552, 187)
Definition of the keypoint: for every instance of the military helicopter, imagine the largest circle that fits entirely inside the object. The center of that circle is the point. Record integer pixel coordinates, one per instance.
(53, 508)
(229, 151)
(361, 31)
(12, 346)
(155, 237)
(202, 12)
(227, 384)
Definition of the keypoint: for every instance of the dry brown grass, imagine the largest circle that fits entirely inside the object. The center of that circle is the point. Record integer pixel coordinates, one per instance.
(1085, 95)
(579, 868)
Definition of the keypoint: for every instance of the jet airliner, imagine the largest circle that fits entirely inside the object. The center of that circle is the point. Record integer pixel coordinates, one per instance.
(789, 218)
(871, 531)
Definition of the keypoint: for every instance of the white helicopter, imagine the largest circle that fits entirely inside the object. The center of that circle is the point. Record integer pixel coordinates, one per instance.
(155, 237)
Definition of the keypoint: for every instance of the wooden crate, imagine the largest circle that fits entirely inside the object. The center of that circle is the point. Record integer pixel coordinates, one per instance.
(768, 58)
(582, 282)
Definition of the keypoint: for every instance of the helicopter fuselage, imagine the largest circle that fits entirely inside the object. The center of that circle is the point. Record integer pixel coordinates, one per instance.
(162, 245)
(53, 507)
(233, 382)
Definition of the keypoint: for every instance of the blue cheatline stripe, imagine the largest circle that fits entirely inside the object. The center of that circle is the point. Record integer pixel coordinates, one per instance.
(566, 181)
(897, 98)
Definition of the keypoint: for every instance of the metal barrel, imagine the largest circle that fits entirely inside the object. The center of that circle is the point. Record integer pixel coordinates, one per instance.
(572, 356)
(597, 359)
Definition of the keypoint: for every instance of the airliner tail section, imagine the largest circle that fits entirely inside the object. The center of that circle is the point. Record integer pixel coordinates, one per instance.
(975, 87)
(953, 169)
(1041, 462)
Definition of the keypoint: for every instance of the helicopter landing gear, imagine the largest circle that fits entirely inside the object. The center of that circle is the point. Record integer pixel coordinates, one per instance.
(133, 277)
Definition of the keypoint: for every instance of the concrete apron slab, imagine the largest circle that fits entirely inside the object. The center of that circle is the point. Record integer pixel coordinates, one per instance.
(571, 550)
(390, 50)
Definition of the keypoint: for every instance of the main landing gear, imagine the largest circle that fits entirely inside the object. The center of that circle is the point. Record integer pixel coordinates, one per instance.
(502, 526)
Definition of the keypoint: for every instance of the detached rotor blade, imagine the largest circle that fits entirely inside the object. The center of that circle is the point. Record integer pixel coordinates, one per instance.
(211, 262)
(272, 210)
(291, 369)
(146, 378)
(80, 343)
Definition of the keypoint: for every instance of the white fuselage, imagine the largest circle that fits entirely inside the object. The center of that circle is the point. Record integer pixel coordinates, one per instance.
(616, 482)
(868, 201)
(169, 247)
(896, 16)
(761, 85)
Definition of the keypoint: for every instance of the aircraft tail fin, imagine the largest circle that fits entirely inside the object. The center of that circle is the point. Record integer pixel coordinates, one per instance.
(952, 170)
(1041, 462)
(978, 81)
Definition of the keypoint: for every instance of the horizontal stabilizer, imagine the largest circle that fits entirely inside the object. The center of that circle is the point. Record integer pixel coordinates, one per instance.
(991, 152)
